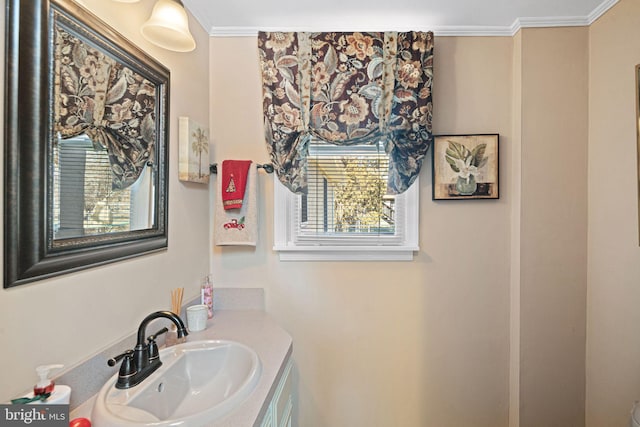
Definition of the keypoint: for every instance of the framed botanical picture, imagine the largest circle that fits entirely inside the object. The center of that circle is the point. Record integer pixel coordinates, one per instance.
(465, 167)
(193, 161)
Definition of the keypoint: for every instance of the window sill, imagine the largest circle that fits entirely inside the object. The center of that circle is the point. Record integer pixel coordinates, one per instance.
(346, 253)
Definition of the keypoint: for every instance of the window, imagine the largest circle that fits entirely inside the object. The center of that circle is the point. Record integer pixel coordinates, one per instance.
(346, 213)
(85, 202)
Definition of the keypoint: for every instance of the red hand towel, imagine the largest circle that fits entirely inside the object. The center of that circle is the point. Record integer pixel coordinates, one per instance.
(234, 182)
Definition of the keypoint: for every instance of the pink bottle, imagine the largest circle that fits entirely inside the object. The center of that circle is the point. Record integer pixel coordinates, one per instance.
(206, 293)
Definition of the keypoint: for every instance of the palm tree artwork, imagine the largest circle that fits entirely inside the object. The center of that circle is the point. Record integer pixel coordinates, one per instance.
(199, 145)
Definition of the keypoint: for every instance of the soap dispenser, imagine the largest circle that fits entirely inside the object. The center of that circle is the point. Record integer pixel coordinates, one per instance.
(60, 394)
(44, 385)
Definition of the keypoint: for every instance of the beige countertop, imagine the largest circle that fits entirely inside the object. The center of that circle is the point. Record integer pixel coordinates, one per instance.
(257, 330)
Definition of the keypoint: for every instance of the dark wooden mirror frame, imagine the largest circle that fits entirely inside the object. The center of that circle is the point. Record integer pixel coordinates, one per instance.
(29, 253)
(637, 76)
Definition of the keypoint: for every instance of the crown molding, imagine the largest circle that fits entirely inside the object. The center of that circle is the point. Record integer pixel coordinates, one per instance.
(600, 10)
(438, 31)
(551, 21)
(443, 31)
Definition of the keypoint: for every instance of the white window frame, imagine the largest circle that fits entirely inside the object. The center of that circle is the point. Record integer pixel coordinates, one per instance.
(286, 243)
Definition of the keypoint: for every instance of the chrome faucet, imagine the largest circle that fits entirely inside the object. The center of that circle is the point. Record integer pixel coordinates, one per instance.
(143, 360)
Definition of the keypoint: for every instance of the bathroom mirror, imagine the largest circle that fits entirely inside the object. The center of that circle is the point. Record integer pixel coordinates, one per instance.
(86, 126)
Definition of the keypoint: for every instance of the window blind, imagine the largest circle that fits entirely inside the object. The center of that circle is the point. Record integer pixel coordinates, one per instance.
(84, 201)
(346, 201)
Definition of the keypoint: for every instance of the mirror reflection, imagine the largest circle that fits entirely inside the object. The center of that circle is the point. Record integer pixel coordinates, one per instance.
(103, 151)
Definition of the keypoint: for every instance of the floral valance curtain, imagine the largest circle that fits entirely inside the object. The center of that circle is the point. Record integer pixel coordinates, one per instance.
(345, 89)
(109, 102)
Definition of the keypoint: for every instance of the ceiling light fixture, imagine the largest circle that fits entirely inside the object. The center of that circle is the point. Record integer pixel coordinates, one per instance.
(168, 27)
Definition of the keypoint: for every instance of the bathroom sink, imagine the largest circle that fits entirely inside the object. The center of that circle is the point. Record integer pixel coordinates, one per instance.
(198, 383)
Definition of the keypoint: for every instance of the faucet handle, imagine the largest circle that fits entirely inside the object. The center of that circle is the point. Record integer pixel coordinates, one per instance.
(114, 360)
(153, 347)
(127, 369)
(153, 337)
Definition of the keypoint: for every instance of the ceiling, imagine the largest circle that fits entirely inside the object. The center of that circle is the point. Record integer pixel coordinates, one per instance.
(444, 17)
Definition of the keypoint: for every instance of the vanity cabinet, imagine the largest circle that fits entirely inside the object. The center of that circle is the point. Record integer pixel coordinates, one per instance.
(281, 406)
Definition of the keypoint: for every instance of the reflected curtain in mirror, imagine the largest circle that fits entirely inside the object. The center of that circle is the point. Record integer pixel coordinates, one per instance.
(345, 89)
(109, 102)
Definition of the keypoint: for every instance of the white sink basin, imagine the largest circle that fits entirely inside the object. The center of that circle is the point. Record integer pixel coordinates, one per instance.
(198, 383)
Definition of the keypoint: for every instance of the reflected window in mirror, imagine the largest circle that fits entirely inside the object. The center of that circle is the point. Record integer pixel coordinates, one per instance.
(85, 201)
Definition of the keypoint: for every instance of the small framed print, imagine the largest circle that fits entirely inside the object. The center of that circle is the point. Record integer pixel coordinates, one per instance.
(193, 162)
(465, 167)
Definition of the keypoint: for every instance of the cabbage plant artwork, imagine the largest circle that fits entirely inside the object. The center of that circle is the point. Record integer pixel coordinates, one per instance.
(465, 167)
(466, 163)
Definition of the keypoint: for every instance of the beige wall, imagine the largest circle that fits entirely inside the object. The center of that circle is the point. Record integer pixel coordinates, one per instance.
(553, 225)
(613, 340)
(66, 319)
(422, 343)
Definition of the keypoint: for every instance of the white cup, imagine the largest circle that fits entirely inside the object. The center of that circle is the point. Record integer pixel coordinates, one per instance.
(197, 317)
